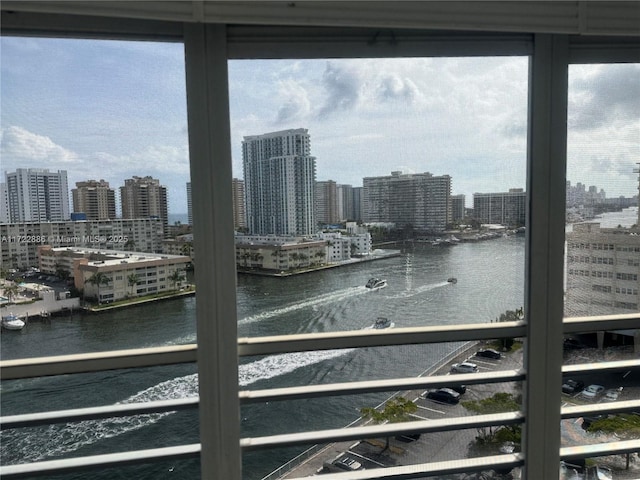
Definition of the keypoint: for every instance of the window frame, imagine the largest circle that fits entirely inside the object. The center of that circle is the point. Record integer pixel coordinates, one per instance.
(208, 47)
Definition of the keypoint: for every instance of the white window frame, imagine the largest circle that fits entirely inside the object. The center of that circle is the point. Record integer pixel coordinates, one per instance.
(208, 47)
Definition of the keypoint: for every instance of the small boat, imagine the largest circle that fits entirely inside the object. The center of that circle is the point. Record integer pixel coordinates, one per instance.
(381, 323)
(12, 322)
(452, 280)
(375, 283)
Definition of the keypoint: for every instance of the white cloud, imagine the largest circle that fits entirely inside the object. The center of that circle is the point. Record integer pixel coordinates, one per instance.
(20, 147)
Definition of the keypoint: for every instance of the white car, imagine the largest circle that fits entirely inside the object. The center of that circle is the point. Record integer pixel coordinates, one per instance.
(612, 394)
(464, 367)
(592, 391)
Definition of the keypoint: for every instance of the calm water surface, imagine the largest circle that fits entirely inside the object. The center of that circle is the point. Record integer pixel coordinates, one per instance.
(490, 280)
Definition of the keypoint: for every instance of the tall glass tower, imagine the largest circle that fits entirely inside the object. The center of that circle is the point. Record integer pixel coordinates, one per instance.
(279, 176)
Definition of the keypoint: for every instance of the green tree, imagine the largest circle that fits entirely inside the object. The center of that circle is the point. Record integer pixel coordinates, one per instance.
(98, 279)
(133, 280)
(498, 403)
(11, 291)
(175, 278)
(395, 410)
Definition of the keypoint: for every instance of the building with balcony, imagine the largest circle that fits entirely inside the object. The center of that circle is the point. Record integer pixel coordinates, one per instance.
(144, 197)
(279, 176)
(20, 240)
(279, 253)
(603, 270)
(419, 200)
(327, 203)
(95, 199)
(37, 195)
(506, 208)
(127, 274)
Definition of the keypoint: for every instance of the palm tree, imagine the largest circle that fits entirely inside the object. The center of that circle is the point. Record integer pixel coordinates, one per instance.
(97, 279)
(11, 291)
(133, 280)
(176, 277)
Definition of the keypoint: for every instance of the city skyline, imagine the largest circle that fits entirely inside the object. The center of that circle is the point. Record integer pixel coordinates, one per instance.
(116, 109)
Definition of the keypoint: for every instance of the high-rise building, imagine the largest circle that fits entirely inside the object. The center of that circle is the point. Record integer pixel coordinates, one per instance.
(327, 203)
(358, 204)
(37, 195)
(94, 198)
(603, 270)
(4, 203)
(279, 176)
(144, 197)
(239, 212)
(457, 207)
(506, 208)
(345, 203)
(189, 205)
(420, 200)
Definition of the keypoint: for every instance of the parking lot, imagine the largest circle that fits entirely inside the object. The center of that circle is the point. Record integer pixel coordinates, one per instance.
(452, 445)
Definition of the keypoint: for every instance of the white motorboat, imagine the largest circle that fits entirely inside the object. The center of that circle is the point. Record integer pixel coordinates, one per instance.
(12, 322)
(376, 283)
(381, 323)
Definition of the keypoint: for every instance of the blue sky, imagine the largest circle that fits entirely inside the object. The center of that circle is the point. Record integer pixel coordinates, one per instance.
(110, 110)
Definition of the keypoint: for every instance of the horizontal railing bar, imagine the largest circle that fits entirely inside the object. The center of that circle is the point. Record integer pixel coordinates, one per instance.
(94, 413)
(97, 361)
(603, 322)
(67, 465)
(248, 346)
(389, 429)
(600, 449)
(600, 367)
(434, 469)
(372, 386)
(575, 411)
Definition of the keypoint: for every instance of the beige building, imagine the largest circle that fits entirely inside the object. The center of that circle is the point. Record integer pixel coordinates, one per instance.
(239, 211)
(603, 270)
(144, 197)
(18, 248)
(271, 252)
(127, 274)
(95, 199)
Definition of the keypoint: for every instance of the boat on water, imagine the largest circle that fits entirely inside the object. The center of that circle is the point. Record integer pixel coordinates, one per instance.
(375, 283)
(381, 323)
(12, 322)
(452, 280)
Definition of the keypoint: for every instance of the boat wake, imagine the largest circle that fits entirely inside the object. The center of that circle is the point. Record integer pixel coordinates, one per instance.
(37, 444)
(419, 290)
(310, 303)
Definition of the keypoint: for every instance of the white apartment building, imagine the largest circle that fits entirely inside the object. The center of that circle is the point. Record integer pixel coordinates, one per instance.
(504, 208)
(18, 247)
(129, 274)
(4, 203)
(280, 253)
(189, 205)
(279, 176)
(603, 270)
(37, 195)
(420, 200)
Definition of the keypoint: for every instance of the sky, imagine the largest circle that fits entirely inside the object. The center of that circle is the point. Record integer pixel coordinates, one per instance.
(111, 110)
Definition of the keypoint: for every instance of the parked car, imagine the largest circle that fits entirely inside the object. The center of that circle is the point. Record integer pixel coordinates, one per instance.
(445, 395)
(458, 388)
(612, 394)
(348, 463)
(592, 391)
(489, 353)
(572, 386)
(464, 367)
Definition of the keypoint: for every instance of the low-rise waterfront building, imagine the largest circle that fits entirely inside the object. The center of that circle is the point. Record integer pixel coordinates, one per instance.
(109, 275)
(279, 253)
(18, 248)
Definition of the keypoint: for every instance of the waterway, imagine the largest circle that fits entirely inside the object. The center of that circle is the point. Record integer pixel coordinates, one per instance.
(490, 278)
